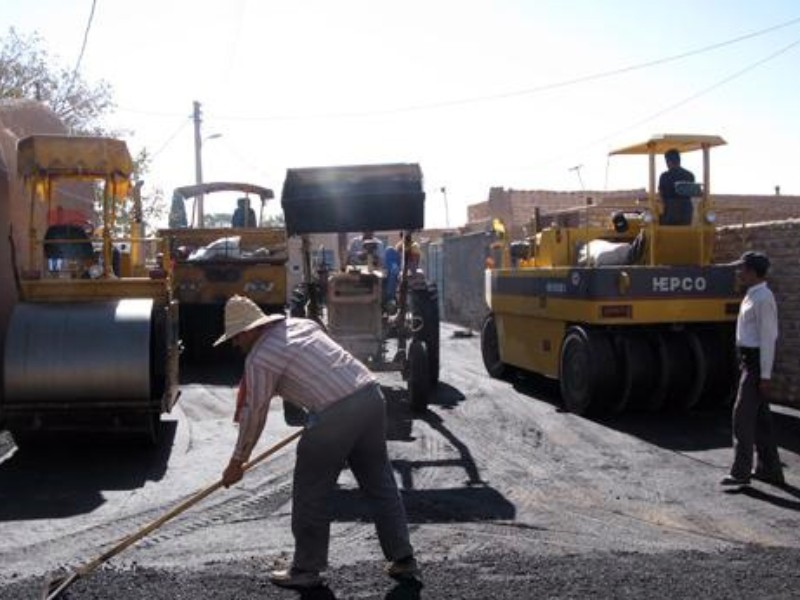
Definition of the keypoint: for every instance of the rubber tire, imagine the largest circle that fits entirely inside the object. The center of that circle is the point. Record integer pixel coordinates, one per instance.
(490, 349)
(686, 367)
(418, 376)
(425, 306)
(588, 371)
(638, 370)
(721, 368)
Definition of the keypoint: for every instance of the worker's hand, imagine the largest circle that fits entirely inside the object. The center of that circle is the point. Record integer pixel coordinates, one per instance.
(233, 473)
(764, 388)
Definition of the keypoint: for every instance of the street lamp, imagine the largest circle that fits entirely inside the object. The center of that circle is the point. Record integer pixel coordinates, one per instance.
(199, 174)
(443, 189)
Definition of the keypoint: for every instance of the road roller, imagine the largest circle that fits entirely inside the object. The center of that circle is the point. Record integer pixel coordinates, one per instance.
(211, 264)
(92, 343)
(627, 313)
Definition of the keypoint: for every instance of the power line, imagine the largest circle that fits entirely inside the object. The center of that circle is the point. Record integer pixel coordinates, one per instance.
(538, 89)
(169, 139)
(498, 96)
(83, 49)
(695, 96)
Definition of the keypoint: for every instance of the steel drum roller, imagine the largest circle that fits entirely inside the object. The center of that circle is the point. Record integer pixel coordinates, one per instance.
(93, 351)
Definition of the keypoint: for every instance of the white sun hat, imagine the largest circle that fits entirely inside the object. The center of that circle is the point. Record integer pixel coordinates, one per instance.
(242, 314)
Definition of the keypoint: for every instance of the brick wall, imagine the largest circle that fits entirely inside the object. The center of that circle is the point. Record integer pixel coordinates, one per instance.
(781, 241)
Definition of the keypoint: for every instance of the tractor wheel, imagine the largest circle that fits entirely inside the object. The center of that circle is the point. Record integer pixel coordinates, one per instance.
(418, 376)
(425, 306)
(589, 378)
(490, 349)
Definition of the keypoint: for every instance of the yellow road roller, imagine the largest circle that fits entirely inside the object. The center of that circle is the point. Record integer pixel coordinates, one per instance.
(625, 311)
(93, 342)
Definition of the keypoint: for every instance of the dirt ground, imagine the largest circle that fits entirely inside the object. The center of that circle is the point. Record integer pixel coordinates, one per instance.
(507, 496)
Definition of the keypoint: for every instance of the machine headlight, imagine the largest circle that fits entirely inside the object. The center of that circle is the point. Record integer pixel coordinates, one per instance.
(647, 217)
(711, 217)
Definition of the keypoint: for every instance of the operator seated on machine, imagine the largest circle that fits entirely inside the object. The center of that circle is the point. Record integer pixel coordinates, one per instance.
(676, 206)
(365, 249)
(244, 215)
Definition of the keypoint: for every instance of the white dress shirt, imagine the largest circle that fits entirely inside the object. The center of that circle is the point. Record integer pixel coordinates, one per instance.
(757, 325)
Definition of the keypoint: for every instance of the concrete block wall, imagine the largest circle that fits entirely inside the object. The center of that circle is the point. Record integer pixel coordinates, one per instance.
(781, 242)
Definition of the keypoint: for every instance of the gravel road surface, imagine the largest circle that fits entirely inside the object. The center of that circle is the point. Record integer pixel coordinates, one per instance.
(508, 497)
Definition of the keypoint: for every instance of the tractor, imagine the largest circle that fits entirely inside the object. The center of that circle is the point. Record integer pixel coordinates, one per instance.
(377, 305)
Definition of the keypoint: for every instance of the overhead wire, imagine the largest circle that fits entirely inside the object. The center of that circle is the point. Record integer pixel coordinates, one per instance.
(169, 140)
(537, 89)
(501, 95)
(83, 49)
(686, 100)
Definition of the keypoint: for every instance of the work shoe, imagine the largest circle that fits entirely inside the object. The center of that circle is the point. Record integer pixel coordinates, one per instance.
(767, 477)
(405, 568)
(731, 480)
(295, 578)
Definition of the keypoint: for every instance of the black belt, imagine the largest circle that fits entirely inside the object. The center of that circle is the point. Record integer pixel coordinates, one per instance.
(749, 352)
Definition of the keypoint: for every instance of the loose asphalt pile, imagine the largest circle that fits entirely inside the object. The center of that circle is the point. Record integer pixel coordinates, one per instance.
(749, 572)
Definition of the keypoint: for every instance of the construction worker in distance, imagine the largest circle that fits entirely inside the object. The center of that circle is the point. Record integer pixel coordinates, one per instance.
(347, 416)
(411, 252)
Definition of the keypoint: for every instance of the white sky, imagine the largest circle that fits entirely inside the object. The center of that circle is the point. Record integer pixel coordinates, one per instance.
(292, 83)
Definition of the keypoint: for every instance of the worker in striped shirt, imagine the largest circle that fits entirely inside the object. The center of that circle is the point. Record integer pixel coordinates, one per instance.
(296, 360)
(756, 334)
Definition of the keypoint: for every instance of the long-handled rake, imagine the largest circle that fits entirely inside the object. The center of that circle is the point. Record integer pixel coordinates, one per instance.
(56, 586)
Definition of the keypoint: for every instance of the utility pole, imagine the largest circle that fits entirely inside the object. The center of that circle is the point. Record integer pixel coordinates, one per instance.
(198, 163)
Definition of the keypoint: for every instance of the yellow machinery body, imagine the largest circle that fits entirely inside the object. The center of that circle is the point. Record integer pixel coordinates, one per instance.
(93, 341)
(252, 262)
(649, 331)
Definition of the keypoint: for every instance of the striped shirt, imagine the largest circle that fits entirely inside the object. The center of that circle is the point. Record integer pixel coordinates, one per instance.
(296, 360)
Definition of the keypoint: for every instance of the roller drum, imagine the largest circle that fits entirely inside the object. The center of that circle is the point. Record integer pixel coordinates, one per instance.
(73, 353)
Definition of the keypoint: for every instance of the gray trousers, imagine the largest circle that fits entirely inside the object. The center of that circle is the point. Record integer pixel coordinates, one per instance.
(752, 424)
(351, 432)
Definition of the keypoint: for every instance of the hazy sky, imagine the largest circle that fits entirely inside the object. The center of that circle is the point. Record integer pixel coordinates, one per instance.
(508, 93)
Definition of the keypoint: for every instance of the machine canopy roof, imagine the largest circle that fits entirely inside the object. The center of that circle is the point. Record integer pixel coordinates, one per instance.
(190, 191)
(659, 144)
(354, 198)
(79, 157)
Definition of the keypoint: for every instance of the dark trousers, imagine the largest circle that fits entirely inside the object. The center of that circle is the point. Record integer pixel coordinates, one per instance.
(677, 211)
(752, 422)
(351, 432)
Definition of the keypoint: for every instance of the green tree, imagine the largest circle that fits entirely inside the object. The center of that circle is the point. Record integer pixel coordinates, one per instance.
(27, 71)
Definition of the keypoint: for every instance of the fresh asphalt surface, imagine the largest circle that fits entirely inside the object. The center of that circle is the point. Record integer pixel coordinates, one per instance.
(507, 496)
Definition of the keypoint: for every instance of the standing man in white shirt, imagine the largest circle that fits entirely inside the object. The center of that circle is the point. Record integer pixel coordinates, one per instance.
(296, 360)
(756, 333)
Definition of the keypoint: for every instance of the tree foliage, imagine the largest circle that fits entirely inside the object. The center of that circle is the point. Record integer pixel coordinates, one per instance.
(27, 71)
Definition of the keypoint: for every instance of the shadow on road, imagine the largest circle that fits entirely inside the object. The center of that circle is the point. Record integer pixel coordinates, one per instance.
(701, 429)
(474, 502)
(772, 498)
(64, 475)
(404, 590)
